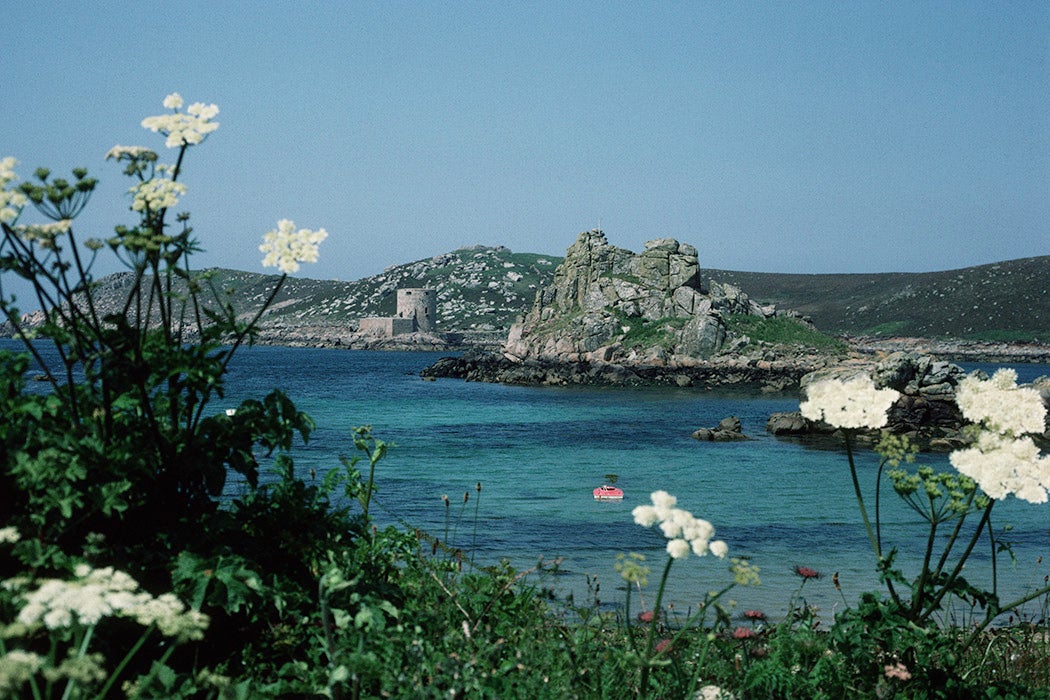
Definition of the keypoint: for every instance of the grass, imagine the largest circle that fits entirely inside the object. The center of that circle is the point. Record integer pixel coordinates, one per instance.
(783, 330)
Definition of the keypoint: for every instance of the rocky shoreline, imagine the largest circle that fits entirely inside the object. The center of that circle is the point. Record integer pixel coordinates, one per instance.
(729, 372)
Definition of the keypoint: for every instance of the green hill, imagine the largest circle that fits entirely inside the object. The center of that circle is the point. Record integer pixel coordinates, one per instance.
(1006, 301)
(487, 288)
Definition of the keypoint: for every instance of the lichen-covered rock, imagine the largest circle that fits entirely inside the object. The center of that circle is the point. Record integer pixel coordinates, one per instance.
(607, 304)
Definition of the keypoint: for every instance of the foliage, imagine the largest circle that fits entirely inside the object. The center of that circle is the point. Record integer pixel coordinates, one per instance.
(783, 330)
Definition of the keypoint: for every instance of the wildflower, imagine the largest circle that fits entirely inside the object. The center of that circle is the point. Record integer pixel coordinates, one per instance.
(632, 569)
(645, 616)
(9, 535)
(685, 531)
(285, 247)
(678, 548)
(898, 671)
(1000, 404)
(156, 194)
(853, 403)
(183, 128)
(11, 201)
(16, 668)
(44, 234)
(99, 593)
(1001, 465)
(744, 633)
(712, 692)
(807, 573)
(664, 645)
(119, 152)
(757, 615)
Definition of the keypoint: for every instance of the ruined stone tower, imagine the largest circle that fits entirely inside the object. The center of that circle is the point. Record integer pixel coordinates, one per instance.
(420, 305)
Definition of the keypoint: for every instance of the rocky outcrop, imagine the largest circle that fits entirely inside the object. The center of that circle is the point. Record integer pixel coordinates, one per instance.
(732, 373)
(728, 430)
(609, 305)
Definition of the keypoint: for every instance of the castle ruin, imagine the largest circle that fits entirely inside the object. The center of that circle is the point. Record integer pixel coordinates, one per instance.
(416, 313)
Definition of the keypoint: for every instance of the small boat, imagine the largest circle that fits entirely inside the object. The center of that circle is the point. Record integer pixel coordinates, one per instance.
(608, 493)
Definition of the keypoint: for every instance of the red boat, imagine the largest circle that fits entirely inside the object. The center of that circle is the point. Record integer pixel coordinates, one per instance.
(608, 493)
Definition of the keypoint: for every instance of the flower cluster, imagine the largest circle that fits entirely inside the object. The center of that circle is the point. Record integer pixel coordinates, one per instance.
(1000, 404)
(1000, 461)
(183, 128)
(9, 535)
(683, 531)
(99, 593)
(850, 404)
(156, 194)
(286, 248)
(1002, 465)
(11, 201)
(44, 234)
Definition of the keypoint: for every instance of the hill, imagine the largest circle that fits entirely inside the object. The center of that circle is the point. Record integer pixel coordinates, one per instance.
(485, 289)
(1007, 301)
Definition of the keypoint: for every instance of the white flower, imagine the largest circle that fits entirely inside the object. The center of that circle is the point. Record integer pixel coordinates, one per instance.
(156, 194)
(9, 535)
(1002, 465)
(285, 247)
(684, 531)
(645, 516)
(712, 692)
(16, 668)
(853, 403)
(11, 201)
(44, 234)
(183, 128)
(1000, 404)
(678, 548)
(119, 152)
(99, 593)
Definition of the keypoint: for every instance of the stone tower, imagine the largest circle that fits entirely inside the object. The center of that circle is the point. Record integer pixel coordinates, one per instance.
(420, 305)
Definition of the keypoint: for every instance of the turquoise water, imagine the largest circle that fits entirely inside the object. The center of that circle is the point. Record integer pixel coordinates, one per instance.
(538, 453)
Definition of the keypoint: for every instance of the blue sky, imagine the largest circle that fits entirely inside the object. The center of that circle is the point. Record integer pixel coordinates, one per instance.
(774, 136)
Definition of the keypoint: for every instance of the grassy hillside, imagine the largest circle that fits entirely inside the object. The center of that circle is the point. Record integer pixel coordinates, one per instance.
(1008, 301)
(487, 288)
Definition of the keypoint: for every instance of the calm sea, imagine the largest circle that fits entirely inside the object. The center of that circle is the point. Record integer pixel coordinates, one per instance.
(539, 451)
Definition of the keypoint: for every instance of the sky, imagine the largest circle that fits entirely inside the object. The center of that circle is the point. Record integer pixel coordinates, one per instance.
(794, 137)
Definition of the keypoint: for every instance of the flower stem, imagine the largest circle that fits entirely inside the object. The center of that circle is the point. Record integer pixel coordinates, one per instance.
(643, 684)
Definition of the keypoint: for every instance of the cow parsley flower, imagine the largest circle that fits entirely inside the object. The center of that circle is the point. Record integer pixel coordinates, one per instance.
(16, 668)
(183, 128)
(850, 404)
(684, 531)
(1000, 405)
(678, 548)
(156, 194)
(9, 535)
(98, 593)
(285, 247)
(11, 201)
(1002, 464)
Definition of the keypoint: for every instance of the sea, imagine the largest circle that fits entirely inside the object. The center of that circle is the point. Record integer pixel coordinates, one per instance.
(506, 473)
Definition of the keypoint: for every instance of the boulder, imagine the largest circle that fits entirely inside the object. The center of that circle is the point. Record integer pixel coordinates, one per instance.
(728, 429)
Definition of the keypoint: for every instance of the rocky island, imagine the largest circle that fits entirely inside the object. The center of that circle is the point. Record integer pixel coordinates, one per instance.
(611, 316)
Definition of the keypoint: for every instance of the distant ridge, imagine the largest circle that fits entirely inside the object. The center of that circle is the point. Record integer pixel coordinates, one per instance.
(1006, 301)
(485, 289)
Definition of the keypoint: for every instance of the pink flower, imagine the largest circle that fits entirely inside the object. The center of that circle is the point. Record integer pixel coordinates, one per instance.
(898, 671)
(663, 645)
(754, 615)
(743, 633)
(646, 616)
(806, 572)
